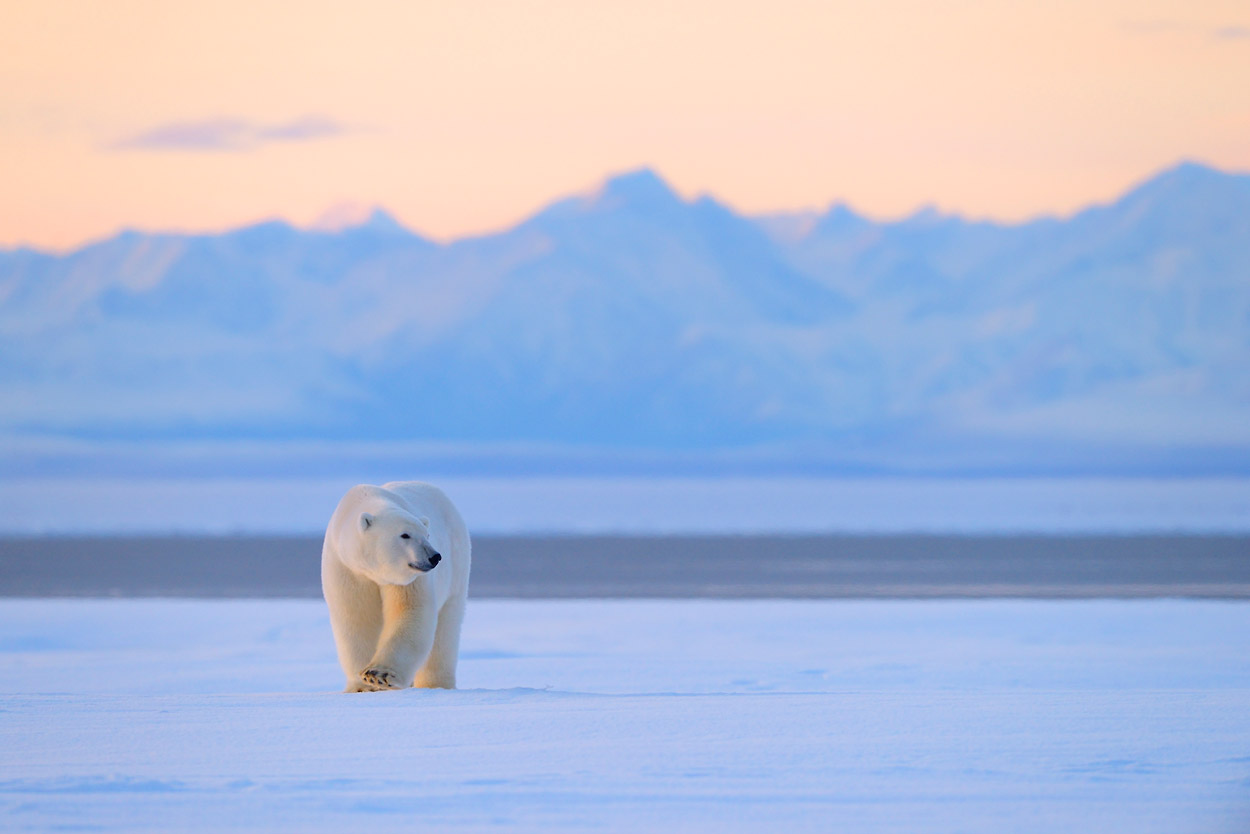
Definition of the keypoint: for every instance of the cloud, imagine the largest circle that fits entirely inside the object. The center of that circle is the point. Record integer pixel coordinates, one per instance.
(1229, 33)
(228, 135)
(1176, 27)
(300, 130)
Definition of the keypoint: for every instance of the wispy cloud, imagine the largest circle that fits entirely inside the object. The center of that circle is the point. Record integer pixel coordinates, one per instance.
(1229, 33)
(300, 130)
(1177, 27)
(226, 134)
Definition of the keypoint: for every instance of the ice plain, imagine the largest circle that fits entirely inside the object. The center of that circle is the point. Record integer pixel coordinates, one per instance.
(629, 715)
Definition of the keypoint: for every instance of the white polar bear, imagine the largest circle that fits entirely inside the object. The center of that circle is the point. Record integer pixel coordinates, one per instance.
(395, 573)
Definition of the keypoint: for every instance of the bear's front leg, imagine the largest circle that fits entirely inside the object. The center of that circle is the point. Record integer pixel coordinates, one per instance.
(408, 625)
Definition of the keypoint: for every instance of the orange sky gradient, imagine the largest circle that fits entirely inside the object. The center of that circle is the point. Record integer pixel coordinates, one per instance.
(464, 117)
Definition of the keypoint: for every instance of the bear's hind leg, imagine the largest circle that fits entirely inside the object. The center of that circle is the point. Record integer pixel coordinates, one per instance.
(439, 671)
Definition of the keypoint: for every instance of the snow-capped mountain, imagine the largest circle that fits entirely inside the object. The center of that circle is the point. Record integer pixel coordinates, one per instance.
(629, 320)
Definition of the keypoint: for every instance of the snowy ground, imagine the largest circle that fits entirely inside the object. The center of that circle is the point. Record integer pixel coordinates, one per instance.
(873, 716)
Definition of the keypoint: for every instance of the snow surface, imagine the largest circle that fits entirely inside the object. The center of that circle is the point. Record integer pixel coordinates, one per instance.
(874, 716)
(647, 505)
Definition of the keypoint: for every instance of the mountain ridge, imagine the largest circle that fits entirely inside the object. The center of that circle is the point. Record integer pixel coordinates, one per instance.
(629, 320)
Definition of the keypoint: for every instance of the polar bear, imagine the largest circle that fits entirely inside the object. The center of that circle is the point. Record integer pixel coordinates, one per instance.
(395, 574)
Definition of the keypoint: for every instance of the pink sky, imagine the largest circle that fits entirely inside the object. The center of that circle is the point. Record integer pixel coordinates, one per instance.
(464, 117)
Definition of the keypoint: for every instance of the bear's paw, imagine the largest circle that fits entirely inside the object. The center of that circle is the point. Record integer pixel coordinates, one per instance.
(377, 678)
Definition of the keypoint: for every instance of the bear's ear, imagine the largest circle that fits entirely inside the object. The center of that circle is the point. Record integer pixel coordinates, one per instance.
(365, 521)
(425, 522)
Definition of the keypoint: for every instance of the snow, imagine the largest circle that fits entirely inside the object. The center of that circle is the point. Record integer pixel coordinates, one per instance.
(647, 505)
(874, 716)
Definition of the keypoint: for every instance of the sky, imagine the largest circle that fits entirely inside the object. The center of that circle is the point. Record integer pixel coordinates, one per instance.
(463, 118)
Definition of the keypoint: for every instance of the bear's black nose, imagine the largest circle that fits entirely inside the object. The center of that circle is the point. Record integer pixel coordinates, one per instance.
(435, 558)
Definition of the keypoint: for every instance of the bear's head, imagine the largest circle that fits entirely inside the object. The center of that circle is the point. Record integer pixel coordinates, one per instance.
(395, 546)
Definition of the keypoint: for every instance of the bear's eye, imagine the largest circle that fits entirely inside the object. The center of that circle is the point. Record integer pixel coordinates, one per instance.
(405, 536)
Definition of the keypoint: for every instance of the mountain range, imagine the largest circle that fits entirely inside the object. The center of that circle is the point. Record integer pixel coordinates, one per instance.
(629, 328)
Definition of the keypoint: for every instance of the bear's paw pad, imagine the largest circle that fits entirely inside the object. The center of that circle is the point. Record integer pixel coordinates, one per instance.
(378, 678)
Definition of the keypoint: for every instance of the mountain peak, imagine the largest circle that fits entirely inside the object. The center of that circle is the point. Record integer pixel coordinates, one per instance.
(838, 218)
(925, 216)
(381, 220)
(641, 186)
(1190, 169)
(1185, 175)
(274, 229)
(349, 216)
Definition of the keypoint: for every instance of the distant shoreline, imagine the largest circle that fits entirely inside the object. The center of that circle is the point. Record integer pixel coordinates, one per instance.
(606, 506)
(731, 567)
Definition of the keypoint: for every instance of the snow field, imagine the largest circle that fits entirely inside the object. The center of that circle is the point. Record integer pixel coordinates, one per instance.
(891, 716)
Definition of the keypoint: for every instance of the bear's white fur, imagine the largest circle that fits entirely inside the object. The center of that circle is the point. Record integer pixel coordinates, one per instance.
(395, 608)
